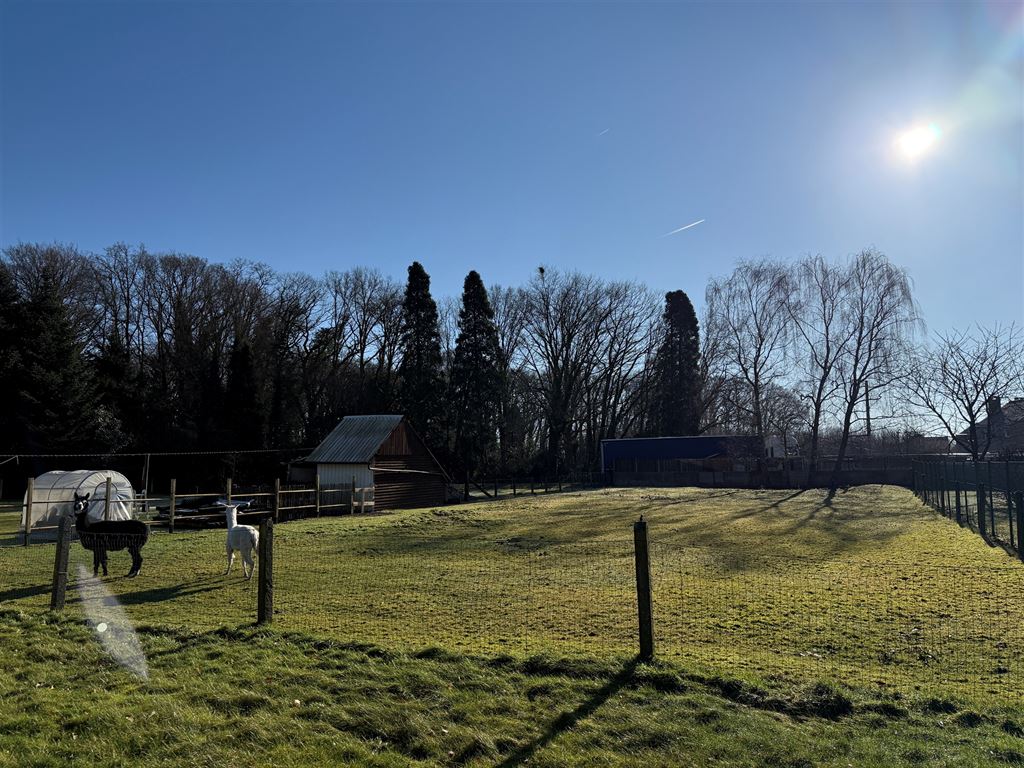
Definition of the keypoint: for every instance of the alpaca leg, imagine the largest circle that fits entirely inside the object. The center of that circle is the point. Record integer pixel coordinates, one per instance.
(95, 563)
(231, 559)
(103, 560)
(247, 561)
(136, 562)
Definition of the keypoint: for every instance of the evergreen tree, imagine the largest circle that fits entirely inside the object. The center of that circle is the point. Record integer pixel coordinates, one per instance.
(56, 406)
(676, 402)
(420, 372)
(475, 378)
(10, 357)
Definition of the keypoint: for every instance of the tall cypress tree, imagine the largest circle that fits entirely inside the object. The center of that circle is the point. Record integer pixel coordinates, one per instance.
(676, 403)
(475, 378)
(420, 376)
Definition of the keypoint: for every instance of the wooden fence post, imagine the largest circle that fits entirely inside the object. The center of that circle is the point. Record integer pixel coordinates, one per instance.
(174, 500)
(316, 493)
(513, 486)
(29, 493)
(227, 490)
(106, 500)
(1018, 503)
(980, 493)
(643, 589)
(362, 501)
(352, 498)
(265, 583)
(495, 487)
(959, 519)
(60, 564)
(277, 499)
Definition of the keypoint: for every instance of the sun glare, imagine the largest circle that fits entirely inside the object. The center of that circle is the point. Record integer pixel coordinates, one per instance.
(918, 141)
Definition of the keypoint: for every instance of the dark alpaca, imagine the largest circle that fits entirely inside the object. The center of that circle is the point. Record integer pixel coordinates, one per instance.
(110, 536)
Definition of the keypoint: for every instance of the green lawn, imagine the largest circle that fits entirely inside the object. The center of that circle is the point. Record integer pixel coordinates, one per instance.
(789, 632)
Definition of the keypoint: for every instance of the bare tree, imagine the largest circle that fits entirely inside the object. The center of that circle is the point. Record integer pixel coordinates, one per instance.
(815, 310)
(567, 313)
(630, 315)
(960, 377)
(510, 307)
(749, 316)
(880, 315)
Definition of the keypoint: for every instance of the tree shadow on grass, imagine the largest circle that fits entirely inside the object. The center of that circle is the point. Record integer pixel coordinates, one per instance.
(568, 720)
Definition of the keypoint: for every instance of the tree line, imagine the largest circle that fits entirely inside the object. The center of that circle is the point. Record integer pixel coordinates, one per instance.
(128, 350)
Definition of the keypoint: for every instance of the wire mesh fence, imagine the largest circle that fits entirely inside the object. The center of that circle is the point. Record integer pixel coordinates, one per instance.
(978, 494)
(511, 596)
(890, 625)
(893, 625)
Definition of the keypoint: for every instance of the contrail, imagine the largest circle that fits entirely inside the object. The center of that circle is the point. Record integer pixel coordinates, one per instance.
(602, 133)
(694, 224)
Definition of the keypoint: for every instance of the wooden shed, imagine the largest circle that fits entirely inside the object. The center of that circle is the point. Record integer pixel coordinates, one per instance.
(382, 451)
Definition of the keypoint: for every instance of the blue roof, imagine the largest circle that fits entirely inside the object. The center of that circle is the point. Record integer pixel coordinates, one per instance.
(692, 447)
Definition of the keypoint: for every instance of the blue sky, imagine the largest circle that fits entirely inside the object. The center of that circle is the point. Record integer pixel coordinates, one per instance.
(499, 137)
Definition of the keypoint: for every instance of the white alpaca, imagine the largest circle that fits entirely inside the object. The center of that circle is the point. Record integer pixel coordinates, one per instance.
(242, 538)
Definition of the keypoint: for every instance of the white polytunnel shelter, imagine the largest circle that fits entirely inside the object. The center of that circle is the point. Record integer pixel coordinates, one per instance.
(54, 492)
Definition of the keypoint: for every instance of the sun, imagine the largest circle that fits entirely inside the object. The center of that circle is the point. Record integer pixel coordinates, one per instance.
(918, 141)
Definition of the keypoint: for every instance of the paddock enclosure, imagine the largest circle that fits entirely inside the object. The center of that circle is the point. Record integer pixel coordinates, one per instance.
(871, 588)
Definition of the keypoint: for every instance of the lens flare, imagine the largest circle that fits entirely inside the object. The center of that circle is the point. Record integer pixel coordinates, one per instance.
(917, 141)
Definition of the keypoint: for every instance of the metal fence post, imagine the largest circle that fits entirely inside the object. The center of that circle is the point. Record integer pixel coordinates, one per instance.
(29, 493)
(170, 512)
(980, 493)
(277, 499)
(60, 564)
(643, 589)
(1018, 503)
(106, 500)
(265, 584)
(959, 519)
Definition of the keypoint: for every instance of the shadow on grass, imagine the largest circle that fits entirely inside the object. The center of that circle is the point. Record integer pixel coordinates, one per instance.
(568, 720)
(20, 593)
(161, 594)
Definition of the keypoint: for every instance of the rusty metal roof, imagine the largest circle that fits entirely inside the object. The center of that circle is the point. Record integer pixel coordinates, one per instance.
(355, 440)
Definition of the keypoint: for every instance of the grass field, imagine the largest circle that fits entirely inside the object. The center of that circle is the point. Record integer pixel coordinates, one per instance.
(790, 632)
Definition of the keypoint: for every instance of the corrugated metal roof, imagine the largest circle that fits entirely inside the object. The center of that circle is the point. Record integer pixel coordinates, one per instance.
(355, 440)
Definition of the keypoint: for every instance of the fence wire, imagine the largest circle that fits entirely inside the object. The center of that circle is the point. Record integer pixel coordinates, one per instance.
(510, 596)
(897, 625)
(977, 494)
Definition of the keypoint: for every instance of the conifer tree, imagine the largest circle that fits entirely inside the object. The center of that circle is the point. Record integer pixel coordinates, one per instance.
(677, 376)
(475, 378)
(10, 357)
(420, 376)
(56, 406)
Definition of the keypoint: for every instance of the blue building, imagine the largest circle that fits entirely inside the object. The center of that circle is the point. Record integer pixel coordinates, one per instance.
(644, 453)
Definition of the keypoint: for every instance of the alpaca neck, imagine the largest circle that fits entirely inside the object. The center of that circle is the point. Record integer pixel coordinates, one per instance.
(232, 513)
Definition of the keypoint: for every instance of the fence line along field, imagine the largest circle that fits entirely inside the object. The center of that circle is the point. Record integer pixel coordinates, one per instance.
(869, 588)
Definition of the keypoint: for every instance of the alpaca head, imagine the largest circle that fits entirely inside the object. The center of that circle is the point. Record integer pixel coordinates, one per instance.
(81, 505)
